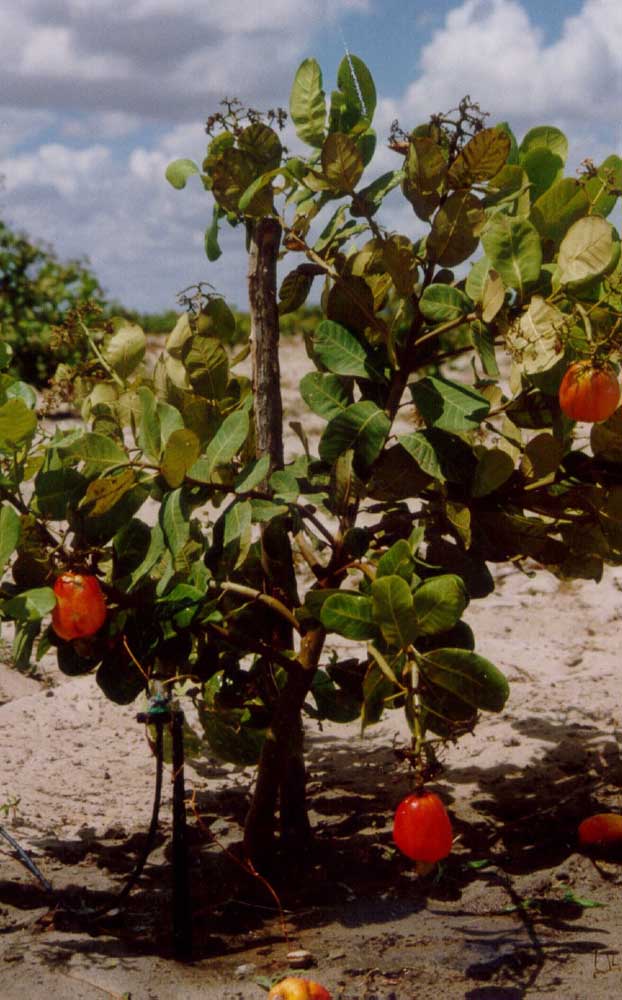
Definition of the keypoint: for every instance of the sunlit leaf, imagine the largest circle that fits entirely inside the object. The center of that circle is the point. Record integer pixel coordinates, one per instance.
(438, 603)
(307, 103)
(350, 615)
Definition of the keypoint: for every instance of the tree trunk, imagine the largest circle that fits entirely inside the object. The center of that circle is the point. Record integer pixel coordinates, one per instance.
(281, 773)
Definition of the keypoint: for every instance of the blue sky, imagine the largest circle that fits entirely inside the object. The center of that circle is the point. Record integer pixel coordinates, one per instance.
(97, 96)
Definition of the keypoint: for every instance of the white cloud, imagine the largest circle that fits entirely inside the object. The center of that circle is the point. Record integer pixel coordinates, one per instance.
(491, 50)
(56, 166)
(106, 125)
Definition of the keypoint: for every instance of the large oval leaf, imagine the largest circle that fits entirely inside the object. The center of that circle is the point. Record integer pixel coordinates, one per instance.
(455, 229)
(325, 394)
(425, 168)
(448, 405)
(469, 676)
(342, 162)
(362, 427)
(307, 103)
(586, 251)
(514, 250)
(392, 604)
(438, 603)
(342, 353)
(442, 303)
(349, 615)
(481, 158)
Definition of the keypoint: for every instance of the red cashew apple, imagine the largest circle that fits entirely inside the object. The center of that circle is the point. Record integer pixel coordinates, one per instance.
(293, 988)
(421, 828)
(80, 606)
(589, 392)
(601, 830)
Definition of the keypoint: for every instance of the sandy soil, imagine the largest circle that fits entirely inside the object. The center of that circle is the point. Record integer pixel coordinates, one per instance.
(516, 912)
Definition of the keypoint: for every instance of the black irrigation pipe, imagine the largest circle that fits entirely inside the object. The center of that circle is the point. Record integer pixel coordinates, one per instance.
(182, 913)
(26, 860)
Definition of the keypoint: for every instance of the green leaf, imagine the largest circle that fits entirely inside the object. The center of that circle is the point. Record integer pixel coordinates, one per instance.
(126, 348)
(392, 604)
(425, 168)
(105, 493)
(377, 689)
(148, 421)
(400, 260)
(467, 675)
(294, 290)
(100, 454)
(178, 172)
(17, 423)
(438, 603)
(356, 84)
(342, 163)
(215, 320)
(266, 510)
(211, 244)
(600, 189)
(333, 703)
(555, 211)
(586, 251)
(542, 457)
(237, 535)
(182, 451)
(152, 556)
(31, 605)
(349, 615)
(449, 406)
(455, 229)
(494, 468)
(514, 250)
(363, 427)
(307, 103)
(396, 561)
(229, 739)
(368, 200)
(493, 296)
(342, 353)
(249, 204)
(445, 714)
(253, 474)
(441, 303)
(170, 420)
(325, 394)
(206, 362)
(543, 168)
(441, 455)
(223, 447)
(10, 529)
(174, 522)
(545, 137)
(284, 486)
(483, 338)
(57, 488)
(262, 146)
(482, 157)
(231, 172)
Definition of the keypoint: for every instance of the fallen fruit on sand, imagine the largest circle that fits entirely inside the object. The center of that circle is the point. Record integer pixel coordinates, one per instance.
(80, 609)
(601, 830)
(421, 828)
(293, 988)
